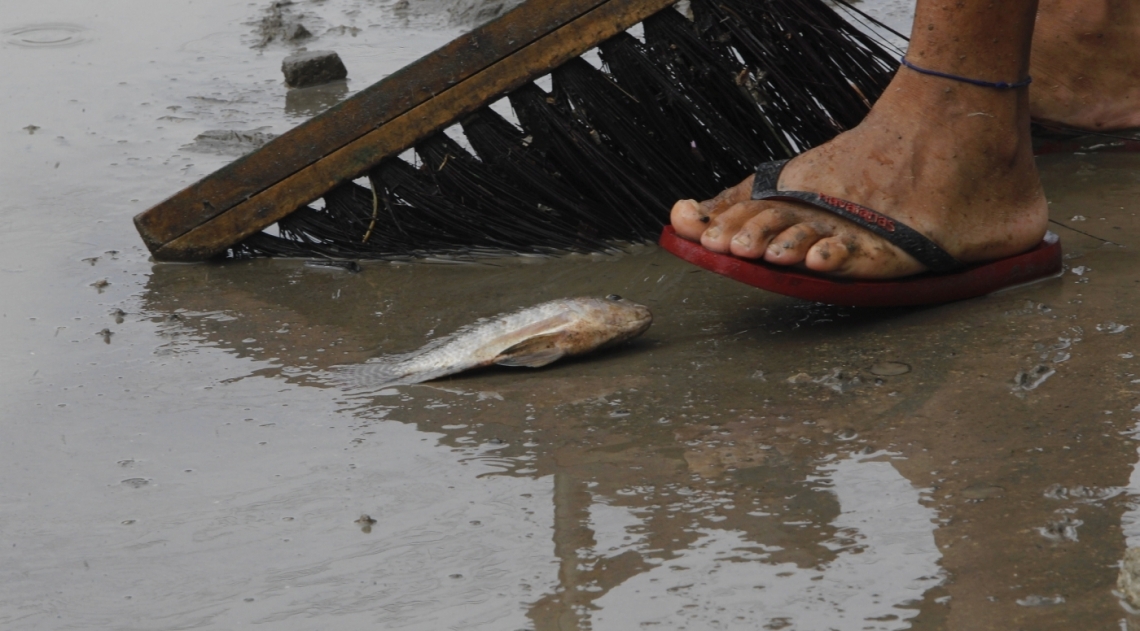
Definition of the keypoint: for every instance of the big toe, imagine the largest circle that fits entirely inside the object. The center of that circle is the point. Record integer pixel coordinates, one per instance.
(688, 219)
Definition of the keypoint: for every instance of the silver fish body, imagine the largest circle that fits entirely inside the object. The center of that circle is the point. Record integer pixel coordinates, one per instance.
(535, 336)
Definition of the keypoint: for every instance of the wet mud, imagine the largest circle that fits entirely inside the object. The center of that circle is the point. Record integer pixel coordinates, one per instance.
(173, 456)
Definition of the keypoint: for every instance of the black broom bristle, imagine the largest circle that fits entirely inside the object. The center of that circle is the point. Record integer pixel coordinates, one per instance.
(600, 159)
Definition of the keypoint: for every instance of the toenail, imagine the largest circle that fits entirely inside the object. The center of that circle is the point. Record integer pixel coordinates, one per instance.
(713, 232)
(743, 239)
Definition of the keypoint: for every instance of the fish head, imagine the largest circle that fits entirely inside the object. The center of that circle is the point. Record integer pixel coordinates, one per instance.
(614, 319)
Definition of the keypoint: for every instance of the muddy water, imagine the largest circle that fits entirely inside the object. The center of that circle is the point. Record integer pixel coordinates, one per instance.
(172, 458)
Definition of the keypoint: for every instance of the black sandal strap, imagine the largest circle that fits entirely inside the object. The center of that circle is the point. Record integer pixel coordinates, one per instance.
(897, 233)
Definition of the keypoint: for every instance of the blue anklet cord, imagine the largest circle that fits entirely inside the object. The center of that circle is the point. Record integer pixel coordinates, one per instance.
(1000, 85)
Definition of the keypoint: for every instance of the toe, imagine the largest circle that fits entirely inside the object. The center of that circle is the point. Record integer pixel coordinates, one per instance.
(831, 254)
(688, 219)
(791, 246)
(754, 237)
(724, 230)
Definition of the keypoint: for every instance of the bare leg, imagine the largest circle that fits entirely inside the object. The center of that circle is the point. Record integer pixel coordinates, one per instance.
(1086, 64)
(953, 161)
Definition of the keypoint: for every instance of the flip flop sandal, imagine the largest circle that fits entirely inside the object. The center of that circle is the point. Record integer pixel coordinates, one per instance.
(947, 281)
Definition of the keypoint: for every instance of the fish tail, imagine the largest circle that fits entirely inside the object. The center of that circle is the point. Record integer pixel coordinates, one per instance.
(370, 375)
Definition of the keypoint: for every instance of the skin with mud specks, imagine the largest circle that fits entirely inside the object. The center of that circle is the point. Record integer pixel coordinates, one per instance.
(532, 337)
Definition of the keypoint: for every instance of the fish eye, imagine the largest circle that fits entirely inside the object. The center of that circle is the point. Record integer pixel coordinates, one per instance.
(613, 297)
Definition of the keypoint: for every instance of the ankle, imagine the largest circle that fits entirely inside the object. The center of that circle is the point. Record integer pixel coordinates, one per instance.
(989, 123)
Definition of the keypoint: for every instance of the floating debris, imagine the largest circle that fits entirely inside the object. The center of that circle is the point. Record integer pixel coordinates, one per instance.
(1082, 493)
(1112, 328)
(1064, 529)
(846, 434)
(838, 381)
(1030, 379)
(1041, 601)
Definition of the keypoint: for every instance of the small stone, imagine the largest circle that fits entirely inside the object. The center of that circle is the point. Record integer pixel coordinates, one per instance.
(890, 369)
(802, 377)
(313, 68)
(365, 522)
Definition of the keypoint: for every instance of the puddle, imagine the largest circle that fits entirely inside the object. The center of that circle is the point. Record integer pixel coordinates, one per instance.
(751, 462)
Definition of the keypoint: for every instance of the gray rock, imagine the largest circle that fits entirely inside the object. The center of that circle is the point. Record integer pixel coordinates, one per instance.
(313, 68)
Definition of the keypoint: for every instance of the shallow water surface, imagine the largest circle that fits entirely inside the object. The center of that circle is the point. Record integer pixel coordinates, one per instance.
(173, 458)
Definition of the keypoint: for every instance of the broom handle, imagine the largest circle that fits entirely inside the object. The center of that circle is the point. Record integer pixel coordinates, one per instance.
(348, 140)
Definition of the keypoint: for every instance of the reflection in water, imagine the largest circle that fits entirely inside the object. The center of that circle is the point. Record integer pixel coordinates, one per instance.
(704, 475)
(302, 103)
(1130, 520)
(654, 519)
(1128, 581)
(886, 560)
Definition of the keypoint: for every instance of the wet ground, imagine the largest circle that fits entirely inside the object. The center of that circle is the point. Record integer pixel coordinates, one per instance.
(171, 458)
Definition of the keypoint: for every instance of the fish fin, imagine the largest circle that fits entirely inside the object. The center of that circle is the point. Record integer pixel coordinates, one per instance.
(532, 353)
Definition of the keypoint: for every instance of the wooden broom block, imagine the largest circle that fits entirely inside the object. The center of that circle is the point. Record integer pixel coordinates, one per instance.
(383, 120)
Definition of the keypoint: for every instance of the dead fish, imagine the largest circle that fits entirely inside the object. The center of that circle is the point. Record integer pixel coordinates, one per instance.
(532, 337)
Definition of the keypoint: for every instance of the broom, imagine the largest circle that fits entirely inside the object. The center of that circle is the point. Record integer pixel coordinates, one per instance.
(595, 161)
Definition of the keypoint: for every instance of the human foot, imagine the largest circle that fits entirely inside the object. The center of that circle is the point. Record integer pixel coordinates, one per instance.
(951, 162)
(1085, 64)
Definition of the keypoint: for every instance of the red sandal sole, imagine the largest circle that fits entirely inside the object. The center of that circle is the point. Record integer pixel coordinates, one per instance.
(1041, 262)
